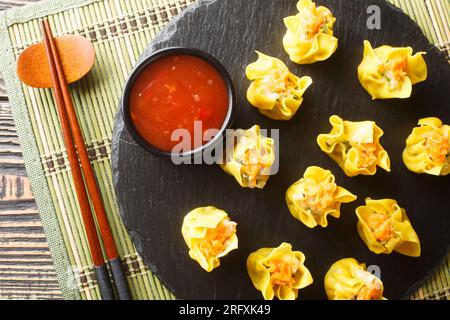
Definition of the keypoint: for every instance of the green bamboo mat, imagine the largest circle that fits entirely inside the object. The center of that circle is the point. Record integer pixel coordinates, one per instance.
(120, 31)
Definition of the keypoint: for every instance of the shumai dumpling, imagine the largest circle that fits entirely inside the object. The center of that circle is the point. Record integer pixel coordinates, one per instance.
(385, 227)
(355, 146)
(388, 72)
(251, 159)
(278, 272)
(275, 91)
(210, 235)
(315, 196)
(347, 279)
(428, 148)
(309, 37)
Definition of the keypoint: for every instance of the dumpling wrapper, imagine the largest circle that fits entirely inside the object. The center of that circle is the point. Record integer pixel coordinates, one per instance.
(309, 37)
(275, 91)
(317, 181)
(428, 148)
(195, 227)
(390, 72)
(347, 279)
(251, 159)
(258, 270)
(355, 146)
(404, 239)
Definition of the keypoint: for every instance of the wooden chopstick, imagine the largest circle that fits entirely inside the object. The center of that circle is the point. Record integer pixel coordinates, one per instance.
(74, 142)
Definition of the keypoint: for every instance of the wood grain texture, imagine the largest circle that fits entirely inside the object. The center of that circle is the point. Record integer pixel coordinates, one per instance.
(26, 267)
(154, 194)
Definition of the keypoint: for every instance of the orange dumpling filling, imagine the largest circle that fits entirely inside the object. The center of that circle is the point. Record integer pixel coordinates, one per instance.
(279, 84)
(252, 167)
(366, 154)
(381, 226)
(316, 21)
(394, 70)
(282, 271)
(370, 291)
(437, 146)
(216, 240)
(317, 197)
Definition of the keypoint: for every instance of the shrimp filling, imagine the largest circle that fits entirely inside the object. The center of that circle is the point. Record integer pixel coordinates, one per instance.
(394, 70)
(216, 240)
(316, 197)
(314, 21)
(437, 146)
(367, 154)
(282, 271)
(279, 84)
(380, 225)
(372, 288)
(254, 167)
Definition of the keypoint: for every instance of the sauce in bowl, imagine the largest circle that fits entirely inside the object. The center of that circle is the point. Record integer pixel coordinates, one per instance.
(173, 92)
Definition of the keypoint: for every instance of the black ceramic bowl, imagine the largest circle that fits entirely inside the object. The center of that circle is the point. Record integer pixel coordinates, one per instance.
(126, 112)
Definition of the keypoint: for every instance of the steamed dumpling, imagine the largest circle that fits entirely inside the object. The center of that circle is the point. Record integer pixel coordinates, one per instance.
(275, 91)
(384, 226)
(309, 37)
(355, 146)
(315, 196)
(428, 148)
(251, 159)
(347, 279)
(389, 72)
(278, 272)
(210, 235)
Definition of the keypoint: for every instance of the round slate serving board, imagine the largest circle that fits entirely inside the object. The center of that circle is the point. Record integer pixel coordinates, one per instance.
(154, 195)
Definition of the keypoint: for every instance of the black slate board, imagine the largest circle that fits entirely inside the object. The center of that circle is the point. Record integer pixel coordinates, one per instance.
(154, 194)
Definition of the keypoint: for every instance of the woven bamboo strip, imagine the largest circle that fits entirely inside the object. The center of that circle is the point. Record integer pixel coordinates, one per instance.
(61, 193)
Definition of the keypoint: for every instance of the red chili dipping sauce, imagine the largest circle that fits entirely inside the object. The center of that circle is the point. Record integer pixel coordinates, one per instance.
(172, 93)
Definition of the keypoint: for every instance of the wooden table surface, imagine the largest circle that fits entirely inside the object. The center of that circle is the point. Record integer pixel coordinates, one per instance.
(26, 267)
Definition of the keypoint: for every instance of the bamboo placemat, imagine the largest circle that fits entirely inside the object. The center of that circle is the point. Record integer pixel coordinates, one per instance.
(120, 30)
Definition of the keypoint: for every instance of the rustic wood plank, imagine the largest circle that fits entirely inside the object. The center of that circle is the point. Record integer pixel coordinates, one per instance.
(29, 211)
(26, 267)
(21, 268)
(13, 235)
(22, 260)
(14, 187)
(11, 160)
(31, 286)
(34, 297)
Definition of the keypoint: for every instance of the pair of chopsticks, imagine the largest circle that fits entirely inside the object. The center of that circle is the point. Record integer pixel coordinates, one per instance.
(74, 142)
